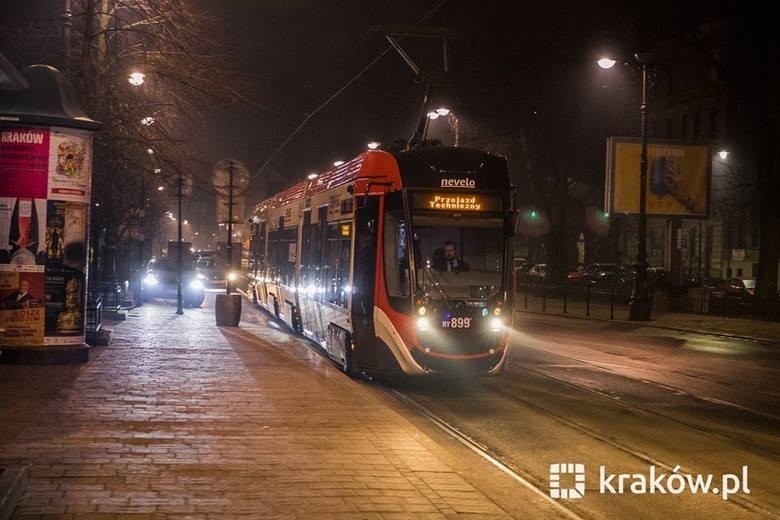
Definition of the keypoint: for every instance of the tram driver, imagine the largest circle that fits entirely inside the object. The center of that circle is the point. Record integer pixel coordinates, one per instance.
(447, 259)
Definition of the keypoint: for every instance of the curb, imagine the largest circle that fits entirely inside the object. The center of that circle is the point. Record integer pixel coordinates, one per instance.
(652, 325)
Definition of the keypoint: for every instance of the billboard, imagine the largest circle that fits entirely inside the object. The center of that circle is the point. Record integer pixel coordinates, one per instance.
(45, 174)
(678, 177)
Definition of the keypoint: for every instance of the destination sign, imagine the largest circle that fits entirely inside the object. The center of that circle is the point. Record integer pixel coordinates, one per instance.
(437, 201)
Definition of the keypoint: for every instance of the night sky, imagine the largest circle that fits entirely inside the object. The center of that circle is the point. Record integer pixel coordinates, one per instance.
(511, 61)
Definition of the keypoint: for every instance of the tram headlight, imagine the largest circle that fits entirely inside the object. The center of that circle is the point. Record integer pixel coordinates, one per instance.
(196, 285)
(496, 324)
(150, 280)
(422, 310)
(422, 323)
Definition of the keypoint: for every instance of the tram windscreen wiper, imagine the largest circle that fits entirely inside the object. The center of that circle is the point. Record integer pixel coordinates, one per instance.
(439, 287)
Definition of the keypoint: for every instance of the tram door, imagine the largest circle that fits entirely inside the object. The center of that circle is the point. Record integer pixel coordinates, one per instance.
(364, 272)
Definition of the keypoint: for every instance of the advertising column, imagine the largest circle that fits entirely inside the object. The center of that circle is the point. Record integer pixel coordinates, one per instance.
(45, 177)
(45, 174)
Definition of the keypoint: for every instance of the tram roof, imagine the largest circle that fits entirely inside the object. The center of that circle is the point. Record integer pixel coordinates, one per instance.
(421, 167)
(428, 167)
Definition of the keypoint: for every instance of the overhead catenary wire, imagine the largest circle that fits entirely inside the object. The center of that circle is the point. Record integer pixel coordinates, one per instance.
(325, 103)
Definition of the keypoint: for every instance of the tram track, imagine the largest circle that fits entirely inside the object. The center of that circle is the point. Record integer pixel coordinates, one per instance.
(534, 482)
(482, 450)
(678, 390)
(531, 479)
(622, 402)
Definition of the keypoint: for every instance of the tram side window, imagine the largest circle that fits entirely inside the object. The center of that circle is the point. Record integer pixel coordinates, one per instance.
(396, 247)
(281, 255)
(308, 265)
(335, 268)
(257, 247)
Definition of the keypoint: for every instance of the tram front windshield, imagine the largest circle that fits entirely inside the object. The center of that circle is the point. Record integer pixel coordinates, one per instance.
(458, 258)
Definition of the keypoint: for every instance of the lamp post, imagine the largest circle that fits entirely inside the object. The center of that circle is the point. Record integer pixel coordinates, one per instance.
(639, 302)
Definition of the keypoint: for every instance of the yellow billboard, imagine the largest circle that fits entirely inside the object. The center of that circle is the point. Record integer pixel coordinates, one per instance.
(678, 177)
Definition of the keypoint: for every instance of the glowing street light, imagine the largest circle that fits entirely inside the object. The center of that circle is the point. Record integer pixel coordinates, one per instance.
(150, 151)
(136, 78)
(606, 63)
(373, 145)
(147, 121)
(723, 154)
(160, 188)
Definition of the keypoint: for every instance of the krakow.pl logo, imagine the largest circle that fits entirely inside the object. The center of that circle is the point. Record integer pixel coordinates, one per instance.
(567, 468)
(662, 481)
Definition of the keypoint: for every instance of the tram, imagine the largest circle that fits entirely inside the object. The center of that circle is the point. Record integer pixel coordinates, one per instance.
(393, 262)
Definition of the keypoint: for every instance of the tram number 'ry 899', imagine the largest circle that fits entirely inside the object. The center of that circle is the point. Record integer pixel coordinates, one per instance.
(456, 323)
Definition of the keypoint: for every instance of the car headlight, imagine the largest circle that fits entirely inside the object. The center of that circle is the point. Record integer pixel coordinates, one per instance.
(200, 276)
(150, 279)
(196, 284)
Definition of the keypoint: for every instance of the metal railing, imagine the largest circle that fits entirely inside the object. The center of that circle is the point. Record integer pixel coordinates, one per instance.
(611, 301)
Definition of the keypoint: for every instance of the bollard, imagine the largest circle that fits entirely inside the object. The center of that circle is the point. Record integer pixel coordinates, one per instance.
(587, 300)
(544, 294)
(564, 299)
(612, 303)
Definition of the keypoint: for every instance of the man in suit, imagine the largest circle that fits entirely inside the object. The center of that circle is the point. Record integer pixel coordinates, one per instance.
(450, 261)
(19, 299)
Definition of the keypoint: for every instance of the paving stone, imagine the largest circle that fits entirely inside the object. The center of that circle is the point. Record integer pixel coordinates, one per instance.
(181, 419)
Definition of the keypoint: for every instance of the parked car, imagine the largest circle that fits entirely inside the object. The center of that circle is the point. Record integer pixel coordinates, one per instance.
(522, 265)
(160, 281)
(605, 275)
(735, 289)
(537, 271)
(575, 274)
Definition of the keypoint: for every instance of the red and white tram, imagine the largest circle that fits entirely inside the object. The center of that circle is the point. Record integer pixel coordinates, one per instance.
(394, 261)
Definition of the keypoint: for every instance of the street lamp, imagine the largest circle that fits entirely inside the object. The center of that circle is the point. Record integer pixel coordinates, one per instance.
(136, 78)
(639, 303)
(452, 119)
(373, 145)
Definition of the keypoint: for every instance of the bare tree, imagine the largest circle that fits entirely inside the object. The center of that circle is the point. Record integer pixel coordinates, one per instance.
(148, 128)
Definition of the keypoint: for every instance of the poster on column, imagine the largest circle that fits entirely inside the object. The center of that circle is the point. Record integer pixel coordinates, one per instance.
(69, 165)
(22, 234)
(65, 272)
(24, 161)
(22, 307)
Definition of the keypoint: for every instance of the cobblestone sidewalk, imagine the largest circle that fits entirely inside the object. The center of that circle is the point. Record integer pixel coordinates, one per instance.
(181, 419)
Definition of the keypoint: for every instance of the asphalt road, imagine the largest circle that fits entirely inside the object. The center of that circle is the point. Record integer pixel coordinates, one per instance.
(626, 398)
